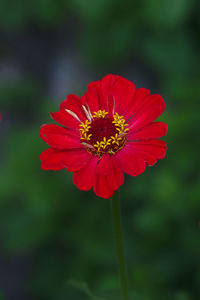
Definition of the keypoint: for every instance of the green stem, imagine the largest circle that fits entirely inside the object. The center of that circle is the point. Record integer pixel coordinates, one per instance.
(116, 216)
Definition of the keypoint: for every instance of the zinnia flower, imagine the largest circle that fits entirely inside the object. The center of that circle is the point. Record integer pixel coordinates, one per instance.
(107, 132)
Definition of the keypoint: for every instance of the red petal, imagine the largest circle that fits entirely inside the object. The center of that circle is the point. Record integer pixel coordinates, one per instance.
(108, 82)
(120, 89)
(151, 110)
(107, 85)
(150, 150)
(74, 104)
(92, 96)
(111, 105)
(152, 131)
(123, 92)
(84, 178)
(131, 163)
(101, 187)
(140, 97)
(76, 159)
(157, 148)
(104, 165)
(59, 137)
(65, 119)
(53, 159)
(116, 177)
(109, 165)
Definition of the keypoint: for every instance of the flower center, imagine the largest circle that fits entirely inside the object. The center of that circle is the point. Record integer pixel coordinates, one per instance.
(104, 134)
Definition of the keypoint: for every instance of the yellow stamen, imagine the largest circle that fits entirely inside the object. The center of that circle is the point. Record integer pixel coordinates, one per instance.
(116, 139)
(98, 146)
(100, 114)
(105, 143)
(86, 126)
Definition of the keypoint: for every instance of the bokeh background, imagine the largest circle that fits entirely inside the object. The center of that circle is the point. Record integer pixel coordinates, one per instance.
(56, 241)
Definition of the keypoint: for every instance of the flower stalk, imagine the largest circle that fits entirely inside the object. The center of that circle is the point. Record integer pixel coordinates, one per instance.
(117, 228)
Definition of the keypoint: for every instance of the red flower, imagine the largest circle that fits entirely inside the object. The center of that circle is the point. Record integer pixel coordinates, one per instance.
(106, 132)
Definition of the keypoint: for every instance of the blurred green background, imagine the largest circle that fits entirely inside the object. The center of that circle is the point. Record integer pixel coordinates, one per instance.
(56, 241)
